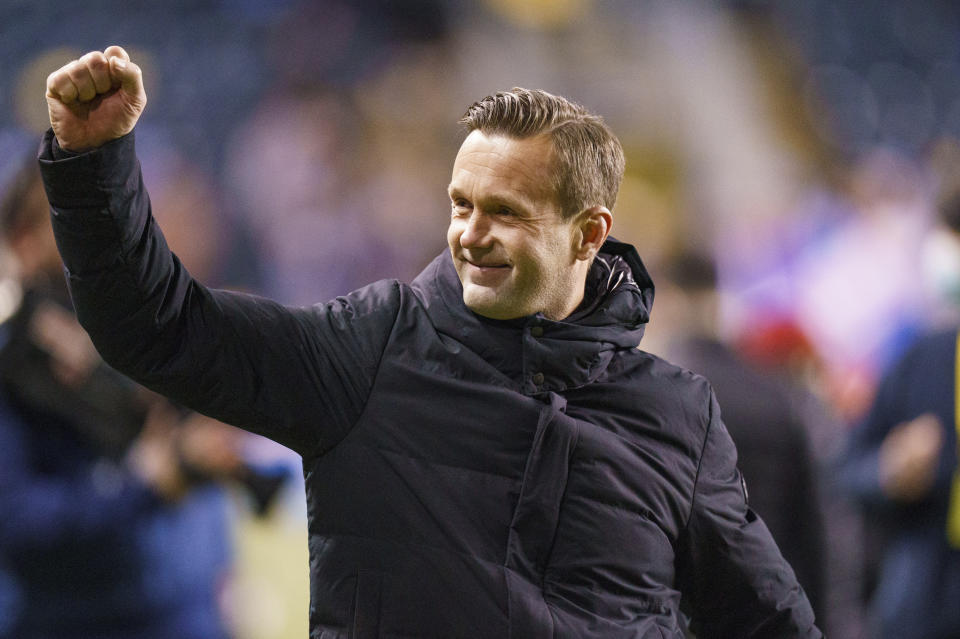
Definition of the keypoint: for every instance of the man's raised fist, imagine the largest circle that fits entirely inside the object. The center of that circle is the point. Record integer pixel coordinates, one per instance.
(95, 99)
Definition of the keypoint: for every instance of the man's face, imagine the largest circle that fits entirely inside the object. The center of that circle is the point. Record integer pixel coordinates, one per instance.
(512, 250)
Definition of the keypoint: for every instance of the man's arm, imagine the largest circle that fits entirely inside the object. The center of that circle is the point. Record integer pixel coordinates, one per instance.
(733, 578)
(299, 376)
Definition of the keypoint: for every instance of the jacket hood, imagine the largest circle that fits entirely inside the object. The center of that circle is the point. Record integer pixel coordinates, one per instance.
(539, 354)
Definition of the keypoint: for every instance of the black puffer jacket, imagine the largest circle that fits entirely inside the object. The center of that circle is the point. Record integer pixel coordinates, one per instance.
(465, 477)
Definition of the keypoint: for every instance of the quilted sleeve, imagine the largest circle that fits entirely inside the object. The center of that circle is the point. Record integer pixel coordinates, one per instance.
(734, 581)
(300, 376)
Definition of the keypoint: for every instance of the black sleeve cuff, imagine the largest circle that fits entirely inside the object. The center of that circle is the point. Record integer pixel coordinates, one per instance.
(86, 180)
(60, 153)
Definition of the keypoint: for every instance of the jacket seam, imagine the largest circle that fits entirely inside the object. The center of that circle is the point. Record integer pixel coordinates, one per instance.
(696, 480)
(319, 449)
(548, 555)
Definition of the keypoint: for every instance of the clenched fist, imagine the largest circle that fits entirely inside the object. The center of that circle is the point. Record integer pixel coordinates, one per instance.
(95, 99)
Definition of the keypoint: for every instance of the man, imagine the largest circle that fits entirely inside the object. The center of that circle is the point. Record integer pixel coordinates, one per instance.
(486, 451)
(901, 466)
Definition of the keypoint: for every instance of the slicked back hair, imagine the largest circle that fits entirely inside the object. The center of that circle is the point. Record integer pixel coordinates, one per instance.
(588, 158)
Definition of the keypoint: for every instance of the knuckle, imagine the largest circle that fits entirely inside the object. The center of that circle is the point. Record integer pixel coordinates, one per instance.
(60, 79)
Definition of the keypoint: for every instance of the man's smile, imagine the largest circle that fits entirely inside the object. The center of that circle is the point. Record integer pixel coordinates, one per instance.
(484, 272)
(487, 265)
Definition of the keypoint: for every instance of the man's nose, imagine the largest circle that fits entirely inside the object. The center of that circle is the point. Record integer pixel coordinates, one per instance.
(476, 233)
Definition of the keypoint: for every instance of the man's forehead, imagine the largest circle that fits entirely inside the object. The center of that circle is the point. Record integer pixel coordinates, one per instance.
(513, 163)
(504, 143)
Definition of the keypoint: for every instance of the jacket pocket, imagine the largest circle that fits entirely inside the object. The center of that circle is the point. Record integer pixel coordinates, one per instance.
(366, 605)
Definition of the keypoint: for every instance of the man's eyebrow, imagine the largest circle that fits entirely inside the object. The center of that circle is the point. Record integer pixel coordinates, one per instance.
(518, 204)
(510, 201)
(505, 199)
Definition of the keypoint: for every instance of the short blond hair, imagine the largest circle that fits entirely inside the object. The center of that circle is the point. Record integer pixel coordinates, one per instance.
(589, 157)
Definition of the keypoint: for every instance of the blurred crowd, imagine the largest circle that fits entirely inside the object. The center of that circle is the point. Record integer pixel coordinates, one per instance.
(789, 167)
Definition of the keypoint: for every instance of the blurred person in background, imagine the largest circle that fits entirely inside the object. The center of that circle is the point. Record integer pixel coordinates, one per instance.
(303, 194)
(901, 466)
(101, 531)
(487, 452)
(781, 352)
(773, 449)
(112, 525)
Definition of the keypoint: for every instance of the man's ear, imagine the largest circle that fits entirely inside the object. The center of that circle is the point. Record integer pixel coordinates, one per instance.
(593, 227)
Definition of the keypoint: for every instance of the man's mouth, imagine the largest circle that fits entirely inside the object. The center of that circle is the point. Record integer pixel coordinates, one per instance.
(486, 265)
(486, 271)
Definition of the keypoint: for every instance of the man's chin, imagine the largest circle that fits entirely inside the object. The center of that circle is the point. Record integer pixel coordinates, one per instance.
(486, 303)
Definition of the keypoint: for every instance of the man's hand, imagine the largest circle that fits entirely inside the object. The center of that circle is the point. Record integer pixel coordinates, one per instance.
(909, 456)
(154, 457)
(95, 99)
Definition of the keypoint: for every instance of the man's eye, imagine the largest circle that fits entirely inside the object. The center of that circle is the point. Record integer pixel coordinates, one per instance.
(505, 211)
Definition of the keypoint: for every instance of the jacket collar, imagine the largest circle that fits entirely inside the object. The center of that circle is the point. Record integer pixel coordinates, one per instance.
(537, 354)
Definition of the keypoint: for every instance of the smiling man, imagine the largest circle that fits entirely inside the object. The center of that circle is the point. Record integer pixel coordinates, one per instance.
(516, 250)
(487, 453)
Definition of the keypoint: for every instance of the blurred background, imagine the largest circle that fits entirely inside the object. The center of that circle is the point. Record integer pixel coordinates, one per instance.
(301, 149)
